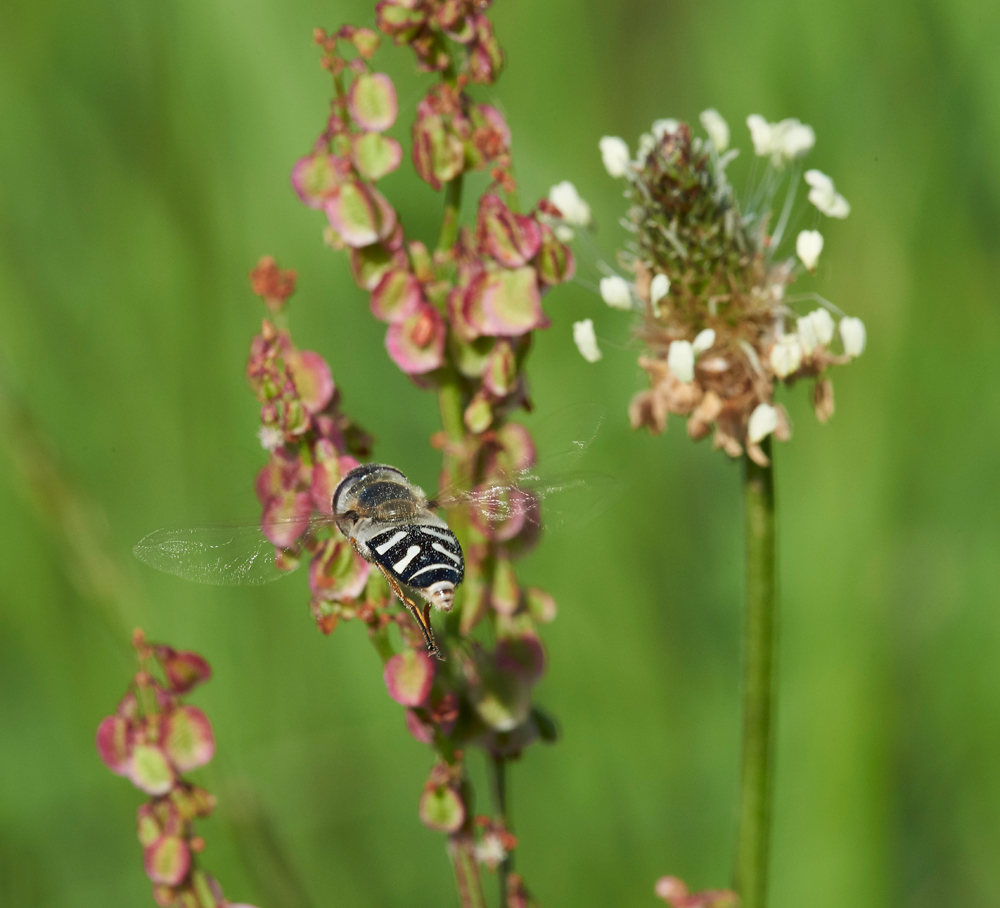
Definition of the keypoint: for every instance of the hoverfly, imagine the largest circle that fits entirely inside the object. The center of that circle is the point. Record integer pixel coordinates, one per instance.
(390, 522)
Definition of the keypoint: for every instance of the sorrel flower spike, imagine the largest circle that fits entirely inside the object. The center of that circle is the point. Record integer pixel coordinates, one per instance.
(152, 739)
(710, 282)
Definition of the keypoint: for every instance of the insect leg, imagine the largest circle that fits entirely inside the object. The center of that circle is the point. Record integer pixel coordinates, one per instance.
(422, 618)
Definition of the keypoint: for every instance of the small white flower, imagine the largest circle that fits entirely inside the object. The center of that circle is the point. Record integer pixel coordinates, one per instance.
(564, 233)
(659, 287)
(574, 210)
(615, 155)
(646, 144)
(661, 128)
(716, 127)
(490, 851)
(852, 333)
(824, 196)
(792, 139)
(703, 341)
(763, 421)
(586, 340)
(616, 293)
(786, 355)
(761, 134)
(680, 359)
(808, 246)
(270, 437)
(823, 325)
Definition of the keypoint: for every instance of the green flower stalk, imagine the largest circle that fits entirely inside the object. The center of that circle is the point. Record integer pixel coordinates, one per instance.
(709, 273)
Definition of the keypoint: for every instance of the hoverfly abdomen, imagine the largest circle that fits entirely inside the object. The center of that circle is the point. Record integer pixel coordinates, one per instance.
(425, 557)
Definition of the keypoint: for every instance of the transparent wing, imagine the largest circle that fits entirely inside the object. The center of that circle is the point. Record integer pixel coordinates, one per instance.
(237, 554)
(552, 493)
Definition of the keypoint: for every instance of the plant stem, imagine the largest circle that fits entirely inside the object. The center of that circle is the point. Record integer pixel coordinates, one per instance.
(460, 847)
(498, 775)
(452, 213)
(470, 886)
(758, 684)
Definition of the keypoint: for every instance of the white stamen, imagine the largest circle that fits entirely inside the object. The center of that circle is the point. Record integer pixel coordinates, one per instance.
(586, 340)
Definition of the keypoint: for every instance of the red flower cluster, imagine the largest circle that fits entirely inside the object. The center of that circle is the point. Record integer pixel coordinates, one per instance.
(152, 739)
(426, 24)
(312, 445)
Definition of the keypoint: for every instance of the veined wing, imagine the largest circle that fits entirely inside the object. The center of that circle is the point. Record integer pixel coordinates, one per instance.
(553, 492)
(237, 554)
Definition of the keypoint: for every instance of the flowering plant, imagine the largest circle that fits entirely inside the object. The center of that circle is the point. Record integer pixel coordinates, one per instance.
(710, 282)
(459, 321)
(152, 739)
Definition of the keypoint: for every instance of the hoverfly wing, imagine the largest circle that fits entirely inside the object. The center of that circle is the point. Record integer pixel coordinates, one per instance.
(234, 554)
(551, 499)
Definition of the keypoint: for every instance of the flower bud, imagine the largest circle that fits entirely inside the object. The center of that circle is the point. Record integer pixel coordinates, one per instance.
(313, 381)
(114, 744)
(680, 359)
(397, 297)
(441, 809)
(478, 416)
(504, 303)
(337, 572)
(763, 421)
(372, 102)
(185, 670)
(616, 293)
(285, 518)
(808, 246)
(151, 770)
(370, 263)
(188, 739)
(554, 261)
(167, 860)
(408, 677)
(438, 153)
(852, 334)
(416, 344)
(360, 214)
(375, 155)
(586, 340)
(315, 178)
(615, 156)
(511, 239)
(501, 370)
(400, 19)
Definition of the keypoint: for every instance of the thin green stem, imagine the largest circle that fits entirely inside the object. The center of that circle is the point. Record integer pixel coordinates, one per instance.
(452, 214)
(498, 776)
(463, 860)
(758, 684)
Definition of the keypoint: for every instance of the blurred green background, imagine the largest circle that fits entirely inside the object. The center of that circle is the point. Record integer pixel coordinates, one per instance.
(144, 154)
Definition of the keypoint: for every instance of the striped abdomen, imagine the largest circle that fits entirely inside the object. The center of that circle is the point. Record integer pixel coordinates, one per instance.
(427, 558)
